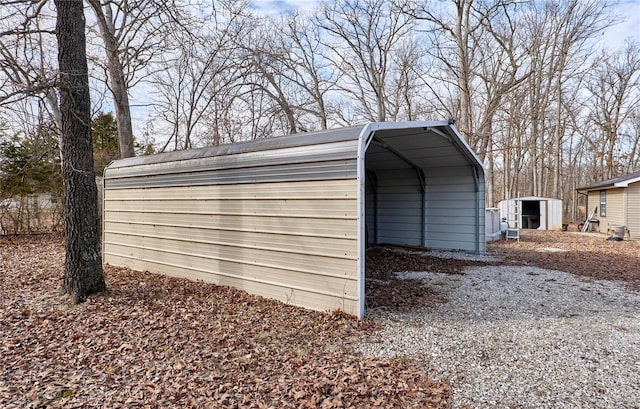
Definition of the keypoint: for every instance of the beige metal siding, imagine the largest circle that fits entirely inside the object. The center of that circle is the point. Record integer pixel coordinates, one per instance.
(292, 241)
(633, 210)
(284, 217)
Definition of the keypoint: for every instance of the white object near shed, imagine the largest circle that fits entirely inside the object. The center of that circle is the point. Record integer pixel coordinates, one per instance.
(289, 217)
(492, 230)
(541, 213)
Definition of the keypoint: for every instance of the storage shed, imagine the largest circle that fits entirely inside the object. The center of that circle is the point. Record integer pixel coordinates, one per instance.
(533, 212)
(616, 203)
(290, 217)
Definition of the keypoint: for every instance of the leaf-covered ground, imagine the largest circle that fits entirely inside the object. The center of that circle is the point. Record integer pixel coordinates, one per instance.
(157, 342)
(585, 254)
(384, 290)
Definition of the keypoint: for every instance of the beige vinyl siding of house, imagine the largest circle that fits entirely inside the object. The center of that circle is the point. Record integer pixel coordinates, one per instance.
(633, 210)
(615, 208)
(593, 200)
(292, 241)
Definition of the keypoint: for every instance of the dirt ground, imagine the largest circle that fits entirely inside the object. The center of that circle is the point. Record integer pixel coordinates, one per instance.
(584, 254)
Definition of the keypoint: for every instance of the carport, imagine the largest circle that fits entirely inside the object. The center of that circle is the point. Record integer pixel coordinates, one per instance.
(290, 217)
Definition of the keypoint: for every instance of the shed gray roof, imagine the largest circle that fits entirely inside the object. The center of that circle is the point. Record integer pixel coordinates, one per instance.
(620, 181)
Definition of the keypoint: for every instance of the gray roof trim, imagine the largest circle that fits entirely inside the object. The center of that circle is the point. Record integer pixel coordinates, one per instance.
(620, 181)
(330, 170)
(364, 132)
(328, 154)
(290, 155)
(258, 145)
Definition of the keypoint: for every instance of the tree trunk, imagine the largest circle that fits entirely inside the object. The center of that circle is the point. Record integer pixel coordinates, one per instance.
(118, 84)
(464, 77)
(83, 261)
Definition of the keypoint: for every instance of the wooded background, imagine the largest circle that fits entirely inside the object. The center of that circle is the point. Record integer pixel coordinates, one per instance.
(544, 102)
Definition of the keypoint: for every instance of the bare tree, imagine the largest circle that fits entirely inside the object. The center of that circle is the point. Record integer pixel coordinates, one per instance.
(308, 67)
(27, 51)
(118, 83)
(133, 34)
(614, 85)
(363, 36)
(453, 30)
(559, 33)
(83, 262)
(263, 53)
(198, 84)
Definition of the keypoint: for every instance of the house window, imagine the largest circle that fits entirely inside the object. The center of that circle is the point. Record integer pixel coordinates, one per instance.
(603, 203)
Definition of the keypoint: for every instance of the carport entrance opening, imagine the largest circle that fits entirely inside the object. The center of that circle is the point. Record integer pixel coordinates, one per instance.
(423, 187)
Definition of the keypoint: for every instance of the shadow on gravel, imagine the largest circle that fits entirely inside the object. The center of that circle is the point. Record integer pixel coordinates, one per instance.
(384, 290)
(582, 255)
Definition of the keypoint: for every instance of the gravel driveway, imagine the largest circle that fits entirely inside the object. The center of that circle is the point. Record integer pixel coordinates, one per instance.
(523, 337)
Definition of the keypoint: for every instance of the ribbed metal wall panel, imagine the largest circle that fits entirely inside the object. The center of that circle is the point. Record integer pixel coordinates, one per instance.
(276, 241)
(327, 161)
(399, 207)
(371, 209)
(324, 227)
(286, 241)
(455, 191)
(327, 152)
(275, 173)
(452, 217)
(314, 298)
(219, 250)
(265, 207)
(334, 190)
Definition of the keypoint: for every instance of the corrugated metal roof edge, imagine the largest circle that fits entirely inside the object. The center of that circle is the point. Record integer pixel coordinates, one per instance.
(302, 139)
(443, 126)
(533, 198)
(278, 142)
(620, 181)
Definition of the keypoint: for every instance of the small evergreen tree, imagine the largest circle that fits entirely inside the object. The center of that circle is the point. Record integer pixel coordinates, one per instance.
(104, 133)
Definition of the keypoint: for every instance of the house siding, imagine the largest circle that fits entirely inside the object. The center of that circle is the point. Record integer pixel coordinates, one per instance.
(633, 210)
(615, 208)
(615, 211)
